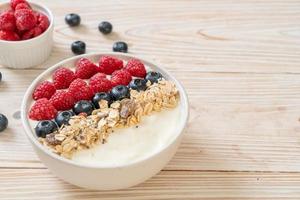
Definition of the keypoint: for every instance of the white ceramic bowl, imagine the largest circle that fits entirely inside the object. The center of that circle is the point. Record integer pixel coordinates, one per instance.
(28, 53)
(105, 178)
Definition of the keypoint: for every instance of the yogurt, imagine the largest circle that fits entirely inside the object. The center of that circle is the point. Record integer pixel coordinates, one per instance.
(127, 145)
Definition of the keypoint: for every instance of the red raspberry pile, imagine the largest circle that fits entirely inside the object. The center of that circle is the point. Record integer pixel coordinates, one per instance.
(20, 22)
(68, 86)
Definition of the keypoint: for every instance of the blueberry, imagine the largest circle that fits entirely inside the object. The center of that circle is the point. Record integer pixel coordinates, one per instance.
(153, 77)
(3, 122)
(64, 117)
(120, 47)
(100, 96)
(78, 47)
(45, 127)
(72, 19)
(105, 27)
(120, 92)
(83, 106)
(138, 84)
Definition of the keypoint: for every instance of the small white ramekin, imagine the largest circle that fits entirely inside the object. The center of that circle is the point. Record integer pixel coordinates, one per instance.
(105, 178)
(28, 53)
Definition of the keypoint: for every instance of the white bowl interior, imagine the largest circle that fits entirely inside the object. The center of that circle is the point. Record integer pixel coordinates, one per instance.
(28, 101)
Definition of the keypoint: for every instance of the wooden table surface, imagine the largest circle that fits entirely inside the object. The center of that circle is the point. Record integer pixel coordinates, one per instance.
(240, 64)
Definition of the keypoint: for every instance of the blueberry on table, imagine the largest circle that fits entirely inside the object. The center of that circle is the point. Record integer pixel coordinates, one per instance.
(153, 77)
(105, 27)
(45, 127)
(120, 92)
(120, 47)
(64, 117)
(83, 106)
(101, 96)
(72, 19)
(3, 122)
(78, 47)
(138, 84)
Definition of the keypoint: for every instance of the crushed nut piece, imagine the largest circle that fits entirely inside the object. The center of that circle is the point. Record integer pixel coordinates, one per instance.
(115, 105)
(127, 107)
(50, 139)
(103, 103)
(59, 137)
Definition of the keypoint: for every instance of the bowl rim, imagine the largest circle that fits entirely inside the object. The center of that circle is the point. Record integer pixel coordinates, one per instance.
(40, 77)
(41, 7)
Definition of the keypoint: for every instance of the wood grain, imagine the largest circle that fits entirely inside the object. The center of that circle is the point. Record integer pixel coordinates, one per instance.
(238, 122)
(218, 36)
(239, 62)
(23, 183)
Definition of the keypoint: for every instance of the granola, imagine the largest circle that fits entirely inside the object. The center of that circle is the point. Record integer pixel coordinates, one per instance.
(83, 132)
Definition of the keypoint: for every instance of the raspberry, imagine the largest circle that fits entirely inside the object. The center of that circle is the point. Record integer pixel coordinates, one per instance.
(98, 76)
(120, 77)
(22, 6)
(36, 31)
(19, 33)
(99, 83)
(80, 90)
(44, 90)
(42, 21)
(136, 68)
(109, 64)
(62, 100)
(25, 19)
(7, 21)
(85, 68)
(42, 109)
(62, 77)
(9, 35)
(14, 3)
(42, 25)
